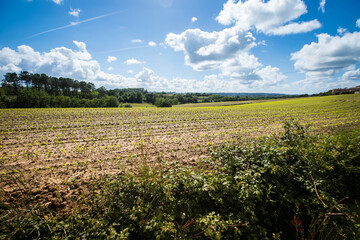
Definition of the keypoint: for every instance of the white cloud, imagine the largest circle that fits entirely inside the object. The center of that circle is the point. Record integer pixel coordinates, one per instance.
(136, 41)
(358, 23)
(329, 54)
(341, 31)
(57, 1)
(145, 75)
(111, 59)
(267, 77)
(148, 79)
(226, 50)
(74, 12)
(326, 82)
(60, 62)
(294, 28)
(353, 75)
(132, 61)
(208, 50)
(321, 60)
(78, 64)
(268, 17)
(194, 19)
(322, 6)
(152, 44)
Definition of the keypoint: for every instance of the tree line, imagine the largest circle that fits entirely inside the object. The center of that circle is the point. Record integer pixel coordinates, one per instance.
(34, 90)
(26, 90)
(12, 82)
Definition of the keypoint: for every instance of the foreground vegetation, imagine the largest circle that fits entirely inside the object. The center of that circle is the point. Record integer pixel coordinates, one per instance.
(293, 186)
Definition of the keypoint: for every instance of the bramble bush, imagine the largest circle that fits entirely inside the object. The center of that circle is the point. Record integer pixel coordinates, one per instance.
(294, 186)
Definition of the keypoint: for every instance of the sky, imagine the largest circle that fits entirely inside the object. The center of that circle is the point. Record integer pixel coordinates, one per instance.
(268, 46)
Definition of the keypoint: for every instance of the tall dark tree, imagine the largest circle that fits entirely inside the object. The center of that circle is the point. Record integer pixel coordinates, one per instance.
(62, 84)
(102, 91)
(83, 88)
(44, 79)
(54, 85)
(26, 78)
(13, 79)
(36, 81)
(91, 86)
(65, 85)
(69, 83)
(75, 87)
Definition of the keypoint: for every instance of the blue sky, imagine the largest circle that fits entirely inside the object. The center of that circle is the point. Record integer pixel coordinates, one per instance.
(283, 46)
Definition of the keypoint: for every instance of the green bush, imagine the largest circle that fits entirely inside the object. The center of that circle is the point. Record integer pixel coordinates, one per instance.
(163, 102)
(112, 101)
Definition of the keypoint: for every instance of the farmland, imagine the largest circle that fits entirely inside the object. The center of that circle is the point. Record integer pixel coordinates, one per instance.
(50, 158)
(58, 149)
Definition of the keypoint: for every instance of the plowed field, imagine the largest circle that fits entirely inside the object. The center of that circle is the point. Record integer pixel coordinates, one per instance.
(56, 151)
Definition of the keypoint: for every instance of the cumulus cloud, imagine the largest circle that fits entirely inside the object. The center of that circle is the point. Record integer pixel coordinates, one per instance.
(358, 23)
(210, 83)
(226, 50)
(326, 82)
(271, 17)
(208, 50)
(132, 61)
(329, 54)
(60, 62)
(353, 75)
(322, 6)
(152, 44)
(321, 60)
(267, 77)
(145, 75)
(78, 64)
(194, 19)
(74, 12)
(111, 59)
(148, 79)
(294, 28)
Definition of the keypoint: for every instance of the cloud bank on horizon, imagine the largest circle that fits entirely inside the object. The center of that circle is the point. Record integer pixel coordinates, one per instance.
(230, 59)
